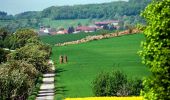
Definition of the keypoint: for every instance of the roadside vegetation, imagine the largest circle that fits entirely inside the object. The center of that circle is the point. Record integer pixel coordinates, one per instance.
(22, 66)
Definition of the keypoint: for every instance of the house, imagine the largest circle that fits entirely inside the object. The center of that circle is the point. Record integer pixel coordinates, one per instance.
(52, 31)
(47, 31)
(62, 32)
(85, 29)
(105, 23)
(43, 31)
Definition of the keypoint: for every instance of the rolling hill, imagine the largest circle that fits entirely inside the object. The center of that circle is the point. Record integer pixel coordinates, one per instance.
(87, 60)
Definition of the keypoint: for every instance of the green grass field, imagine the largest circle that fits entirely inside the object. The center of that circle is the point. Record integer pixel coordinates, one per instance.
(66, 23)
(88, 59)
(54, 39)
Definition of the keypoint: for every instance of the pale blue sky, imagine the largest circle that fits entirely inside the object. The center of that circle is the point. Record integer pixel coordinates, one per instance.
(17, 6)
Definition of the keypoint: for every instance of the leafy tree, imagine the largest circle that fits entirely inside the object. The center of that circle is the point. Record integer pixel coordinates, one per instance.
(156, 50)
(71, 29)
(21, 37)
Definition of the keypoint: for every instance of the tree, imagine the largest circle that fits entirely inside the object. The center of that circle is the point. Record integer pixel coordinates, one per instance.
(156, 50)
(71, 29)
(21, 37)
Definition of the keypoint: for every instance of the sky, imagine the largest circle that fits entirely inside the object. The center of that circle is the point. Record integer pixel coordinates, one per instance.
(18, 6)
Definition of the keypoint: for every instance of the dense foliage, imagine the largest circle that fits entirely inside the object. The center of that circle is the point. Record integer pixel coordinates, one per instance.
(22, 66)
(156, 50)
(105, 10)
(35, 54)
(17, 79)
(115, 84)
(21, 37)
(3, 55)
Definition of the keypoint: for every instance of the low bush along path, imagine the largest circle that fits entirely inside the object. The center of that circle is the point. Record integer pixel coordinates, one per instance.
(47, 88)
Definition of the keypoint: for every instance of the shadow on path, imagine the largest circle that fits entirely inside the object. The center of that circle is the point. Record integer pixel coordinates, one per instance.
(59, 90)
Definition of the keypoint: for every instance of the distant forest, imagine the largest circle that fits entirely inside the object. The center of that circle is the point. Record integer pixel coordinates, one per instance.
(119, 10)
(105, 10)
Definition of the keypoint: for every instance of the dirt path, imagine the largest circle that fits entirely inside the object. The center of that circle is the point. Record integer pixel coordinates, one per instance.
(47, 88)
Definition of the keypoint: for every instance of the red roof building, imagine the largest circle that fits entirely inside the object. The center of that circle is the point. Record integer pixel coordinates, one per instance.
(62, 32)
(86, 28)
(103, 23)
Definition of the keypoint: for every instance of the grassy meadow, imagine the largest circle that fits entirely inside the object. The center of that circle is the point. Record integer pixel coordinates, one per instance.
(54, 39)
(87, 60)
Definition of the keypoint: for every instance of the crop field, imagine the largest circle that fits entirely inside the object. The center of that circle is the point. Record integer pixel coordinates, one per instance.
(54, 39)
(87, 60)
(67, 23)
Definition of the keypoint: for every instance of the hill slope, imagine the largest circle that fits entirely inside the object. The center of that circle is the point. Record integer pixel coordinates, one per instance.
(88, 59)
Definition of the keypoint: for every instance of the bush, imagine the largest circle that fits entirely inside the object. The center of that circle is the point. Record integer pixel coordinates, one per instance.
(35, 91)
(17, 78)
(3, 55)
(36, 55)
(115, 84)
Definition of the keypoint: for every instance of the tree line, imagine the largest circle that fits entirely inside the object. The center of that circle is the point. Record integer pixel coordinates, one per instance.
(119, 10)
(111, 10)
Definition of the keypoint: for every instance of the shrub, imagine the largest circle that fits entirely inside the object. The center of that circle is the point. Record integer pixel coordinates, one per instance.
(36, 55)
(135, 87)
(3, 55)
(17, 78)
(115, 84)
